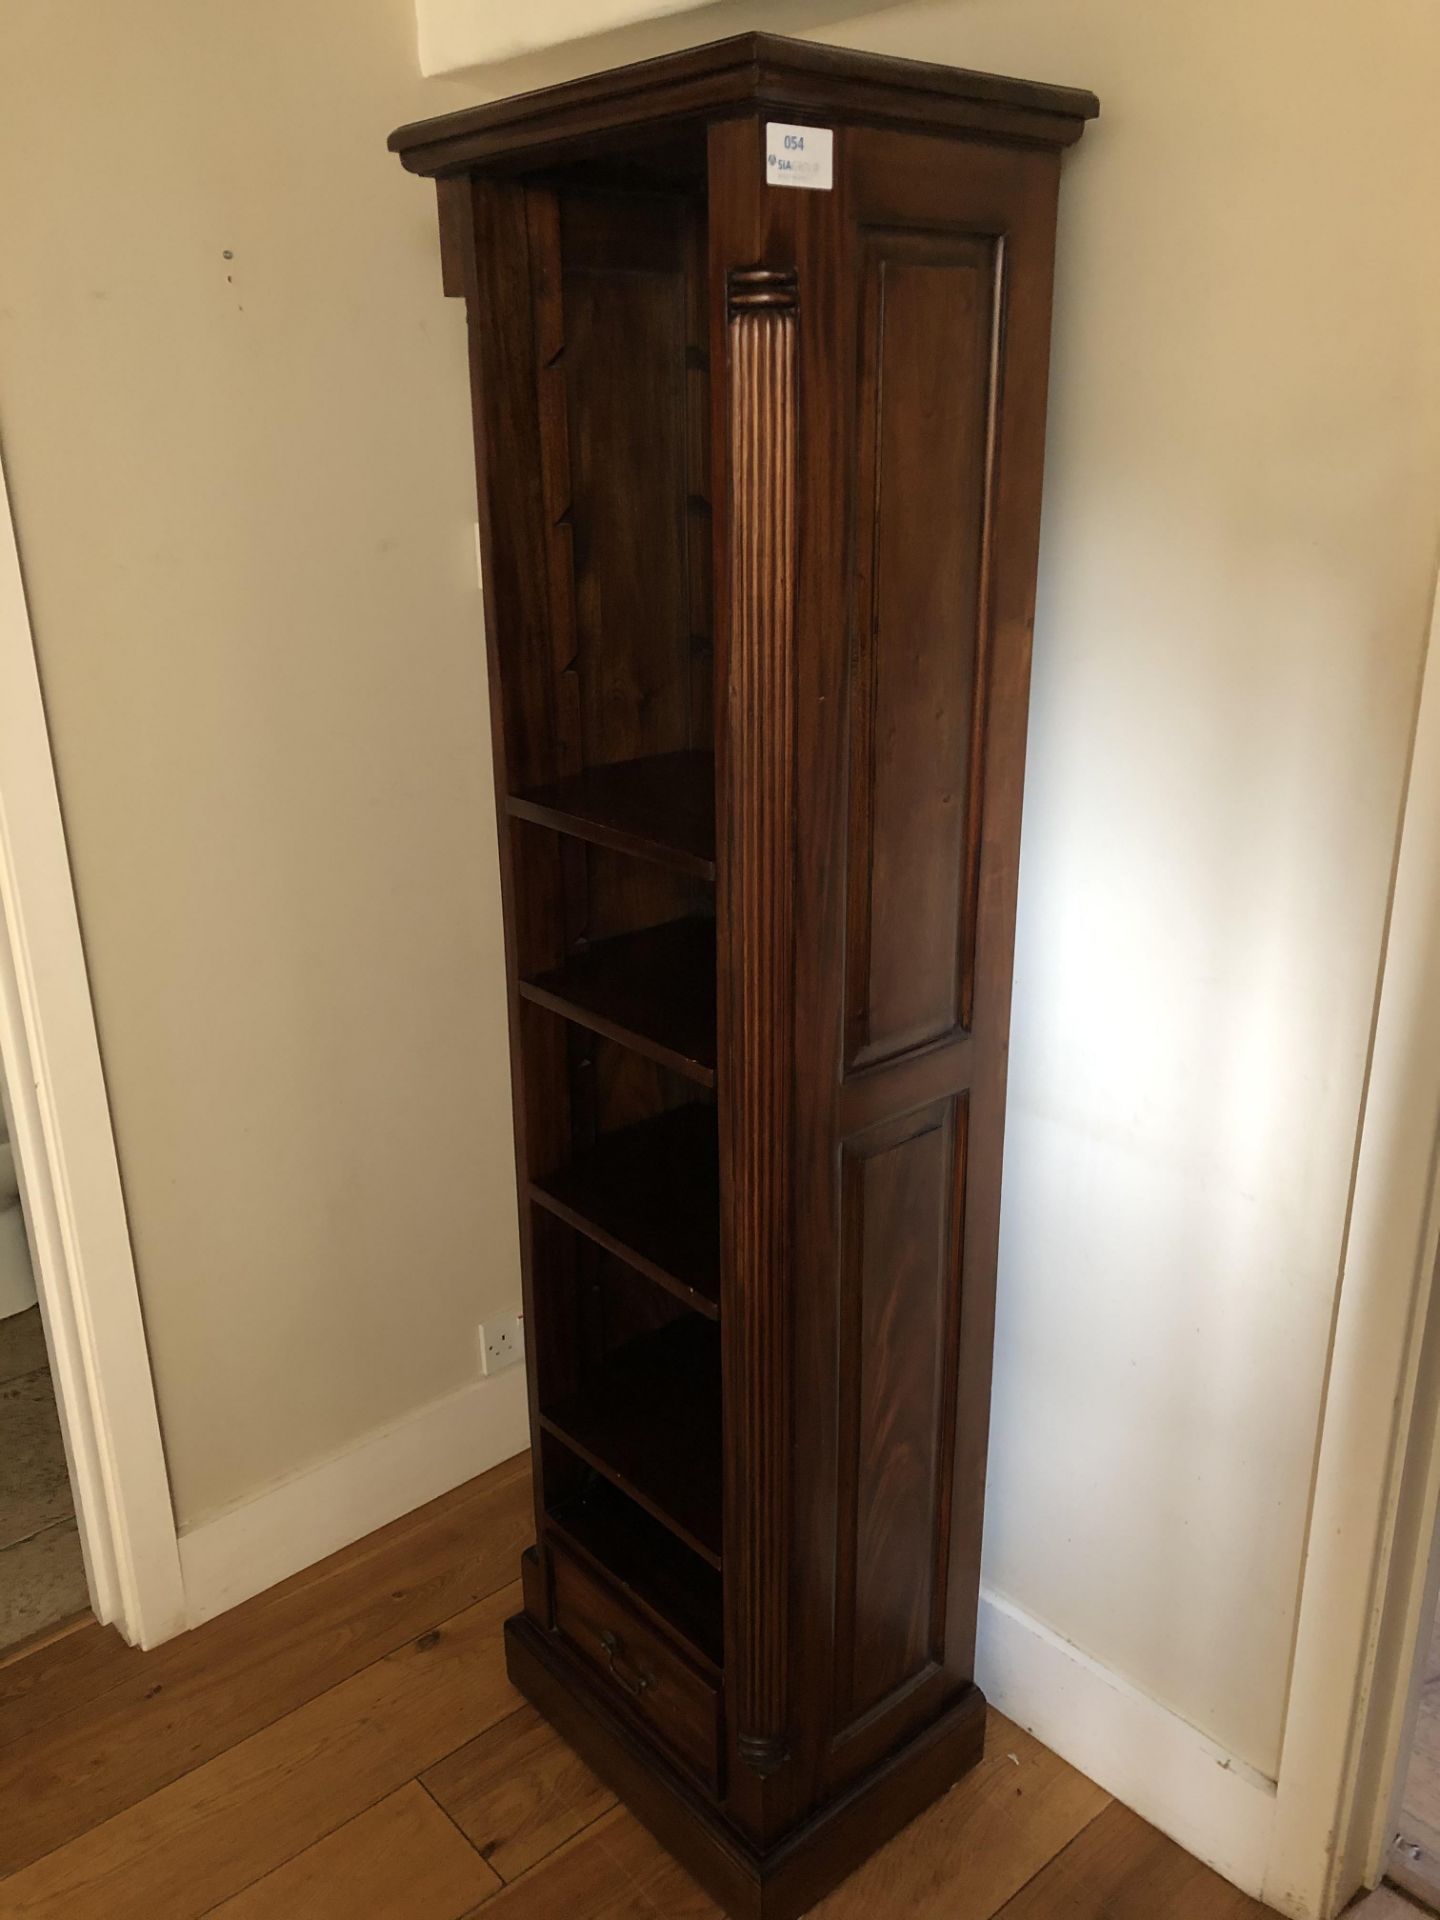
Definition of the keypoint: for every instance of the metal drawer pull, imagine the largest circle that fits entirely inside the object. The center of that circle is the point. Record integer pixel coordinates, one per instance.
(640, 1682)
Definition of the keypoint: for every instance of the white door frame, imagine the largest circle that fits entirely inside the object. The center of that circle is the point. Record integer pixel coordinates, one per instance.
(69, 1176)
(1377, 1477)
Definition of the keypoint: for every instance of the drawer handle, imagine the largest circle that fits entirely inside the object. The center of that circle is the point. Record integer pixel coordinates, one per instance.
(635, 1681)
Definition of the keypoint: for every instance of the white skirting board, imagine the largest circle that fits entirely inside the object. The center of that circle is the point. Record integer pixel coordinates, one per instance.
(1146, 1756)
(288, 1527)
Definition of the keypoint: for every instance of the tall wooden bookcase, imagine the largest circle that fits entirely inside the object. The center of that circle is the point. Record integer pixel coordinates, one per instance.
(760, 494)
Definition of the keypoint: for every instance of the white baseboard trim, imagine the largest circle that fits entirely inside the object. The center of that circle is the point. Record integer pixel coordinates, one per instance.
(288, 1527)
(1150, 1759)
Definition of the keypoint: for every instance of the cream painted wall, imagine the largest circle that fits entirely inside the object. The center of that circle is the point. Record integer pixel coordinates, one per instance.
(1242, 507)
(235, 421)
(1243, 494)
(462, 33)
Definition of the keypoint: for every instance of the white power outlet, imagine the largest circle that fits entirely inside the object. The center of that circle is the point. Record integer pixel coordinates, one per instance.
(502, 1342)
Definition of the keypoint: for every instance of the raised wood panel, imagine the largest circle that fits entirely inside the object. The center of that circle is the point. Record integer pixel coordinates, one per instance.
(901, 1188)
(929, 329)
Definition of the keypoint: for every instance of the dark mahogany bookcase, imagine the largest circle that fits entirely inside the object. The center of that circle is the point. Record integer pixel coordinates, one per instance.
(760, 494)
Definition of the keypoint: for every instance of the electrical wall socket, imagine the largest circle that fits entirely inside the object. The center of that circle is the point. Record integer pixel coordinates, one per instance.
(502, 1342)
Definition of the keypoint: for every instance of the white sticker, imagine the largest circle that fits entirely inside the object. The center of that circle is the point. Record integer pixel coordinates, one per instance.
(799, 156)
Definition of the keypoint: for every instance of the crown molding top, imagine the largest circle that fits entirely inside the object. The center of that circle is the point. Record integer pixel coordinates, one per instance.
(751, 70)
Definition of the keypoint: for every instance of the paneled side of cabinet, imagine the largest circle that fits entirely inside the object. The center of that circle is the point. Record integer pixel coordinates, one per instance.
(930, 349)
(929, 333)
(901, 1185)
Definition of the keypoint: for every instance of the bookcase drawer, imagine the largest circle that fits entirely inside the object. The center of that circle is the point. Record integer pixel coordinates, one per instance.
(637, 1666)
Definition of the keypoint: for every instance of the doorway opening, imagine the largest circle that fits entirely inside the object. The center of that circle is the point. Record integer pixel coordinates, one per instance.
(1412, 1857)
(42, 1566)
(61, 1145)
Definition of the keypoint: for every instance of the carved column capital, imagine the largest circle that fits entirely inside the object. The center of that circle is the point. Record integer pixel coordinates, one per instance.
(758, 289)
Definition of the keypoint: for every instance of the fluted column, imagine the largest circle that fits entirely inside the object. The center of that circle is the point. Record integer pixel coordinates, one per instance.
(759, 967)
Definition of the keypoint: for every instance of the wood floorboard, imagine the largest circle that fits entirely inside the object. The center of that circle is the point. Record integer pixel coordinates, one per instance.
(399, 1860)
(205, 1691)
(517, 1792)
(1006, 1819)
(611, 1871)
(348, 1745)
(40, 1682)
(210, 1833)
(1119, 1868)
(75, 1667)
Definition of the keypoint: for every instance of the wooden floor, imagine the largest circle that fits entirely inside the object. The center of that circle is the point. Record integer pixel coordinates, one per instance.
(348, 1745)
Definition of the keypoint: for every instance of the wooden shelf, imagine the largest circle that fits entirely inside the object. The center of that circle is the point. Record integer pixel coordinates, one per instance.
(653, 991)
(662, 808)
(660, 1576)
(651, 1425)
(651, 1195)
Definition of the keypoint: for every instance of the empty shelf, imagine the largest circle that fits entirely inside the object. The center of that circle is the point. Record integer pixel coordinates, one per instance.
(651, 1194)
(653, 991)
(662, 808)
(650, 1423)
